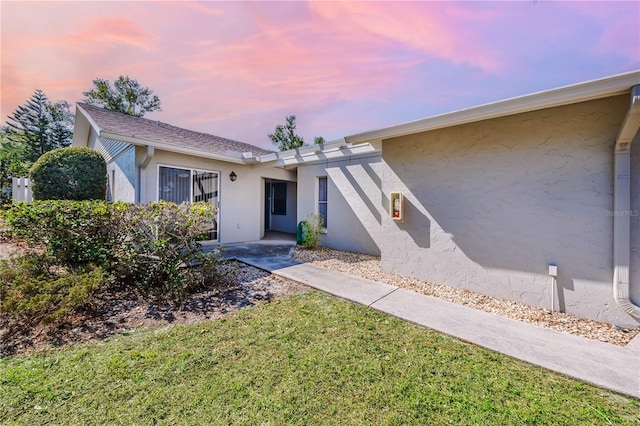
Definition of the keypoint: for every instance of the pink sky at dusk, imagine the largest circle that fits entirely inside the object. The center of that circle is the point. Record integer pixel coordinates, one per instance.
(237, 69)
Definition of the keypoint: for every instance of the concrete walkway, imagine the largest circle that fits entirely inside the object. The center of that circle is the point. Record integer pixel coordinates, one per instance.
(601, 364)
(271, 253)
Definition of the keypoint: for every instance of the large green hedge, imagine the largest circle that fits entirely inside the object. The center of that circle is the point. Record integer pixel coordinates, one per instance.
(69, 174)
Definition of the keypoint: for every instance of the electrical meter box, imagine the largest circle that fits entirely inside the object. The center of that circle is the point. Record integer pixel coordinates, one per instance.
(396, 206)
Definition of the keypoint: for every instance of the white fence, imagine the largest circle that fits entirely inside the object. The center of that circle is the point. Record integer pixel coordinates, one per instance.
(21, 189)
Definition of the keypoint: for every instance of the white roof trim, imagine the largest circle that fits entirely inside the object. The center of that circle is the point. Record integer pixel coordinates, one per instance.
(302, 155)
(595, 89)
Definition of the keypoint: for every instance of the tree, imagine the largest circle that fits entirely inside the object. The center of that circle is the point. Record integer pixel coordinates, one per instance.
(318, 140)
(39, 126)
(62, 123)
(126, 96)
(285, 136)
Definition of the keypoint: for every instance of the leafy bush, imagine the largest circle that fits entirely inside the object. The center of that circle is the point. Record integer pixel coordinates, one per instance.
(4, 226)
(161, 250)
(30, 290)
(82, 247)
(69, 174)
(311, 231)
(73, 233)
(152, 246)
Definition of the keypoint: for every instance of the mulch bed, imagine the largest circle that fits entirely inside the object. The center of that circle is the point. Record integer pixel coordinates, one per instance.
(122, 311)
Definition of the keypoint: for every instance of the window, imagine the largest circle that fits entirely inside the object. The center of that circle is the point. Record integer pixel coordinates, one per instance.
(184, 185)
(322, 200)
(174, 184)
(279, 199)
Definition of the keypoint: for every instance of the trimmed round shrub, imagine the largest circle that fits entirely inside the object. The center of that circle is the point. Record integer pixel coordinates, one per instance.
(69, 174)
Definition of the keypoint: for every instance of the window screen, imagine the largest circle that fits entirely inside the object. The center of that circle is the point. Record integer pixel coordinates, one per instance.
(174, 184)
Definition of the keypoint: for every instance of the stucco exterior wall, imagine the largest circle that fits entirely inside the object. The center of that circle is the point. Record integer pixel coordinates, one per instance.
(353, 201)
(241, 216)
(489, 205)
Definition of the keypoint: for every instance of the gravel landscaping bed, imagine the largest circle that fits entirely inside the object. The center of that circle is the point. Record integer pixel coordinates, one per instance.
(369, 267)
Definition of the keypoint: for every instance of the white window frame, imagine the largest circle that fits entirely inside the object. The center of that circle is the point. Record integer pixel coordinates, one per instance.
(191, 172)
(317, 199)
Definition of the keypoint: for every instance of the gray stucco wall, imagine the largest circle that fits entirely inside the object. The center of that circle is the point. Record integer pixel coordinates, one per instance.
(353, 206)
(489, 205)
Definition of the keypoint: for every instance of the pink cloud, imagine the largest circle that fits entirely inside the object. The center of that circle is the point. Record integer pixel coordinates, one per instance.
(238, 68)
(108, 31)
(296, 54)
(61, 47)
(305, 63)
(432, 28)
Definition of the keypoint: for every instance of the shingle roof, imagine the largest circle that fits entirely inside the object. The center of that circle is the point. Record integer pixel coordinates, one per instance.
(143, 128)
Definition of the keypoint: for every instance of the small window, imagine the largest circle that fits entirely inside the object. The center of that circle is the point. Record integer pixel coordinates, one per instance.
(322, 200)
(279, 203)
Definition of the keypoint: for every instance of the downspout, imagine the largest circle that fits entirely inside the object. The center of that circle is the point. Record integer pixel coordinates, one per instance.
(622, 207)
(141, 166)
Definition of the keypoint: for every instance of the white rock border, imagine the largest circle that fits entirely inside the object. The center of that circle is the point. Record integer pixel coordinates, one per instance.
(369, 267)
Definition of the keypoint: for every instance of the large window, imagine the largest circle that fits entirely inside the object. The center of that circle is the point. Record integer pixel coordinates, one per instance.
(180, 185)
(322, 200)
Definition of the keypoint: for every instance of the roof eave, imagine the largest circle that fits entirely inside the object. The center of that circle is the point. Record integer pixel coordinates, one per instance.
(173, 148)
(591, 90)
(82, 130)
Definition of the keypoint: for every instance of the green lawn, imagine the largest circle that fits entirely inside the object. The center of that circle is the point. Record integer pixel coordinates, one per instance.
(305, 359)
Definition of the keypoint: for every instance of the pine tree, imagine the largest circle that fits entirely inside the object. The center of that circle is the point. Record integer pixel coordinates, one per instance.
(40, 126)
(33, 129)
(61, 124)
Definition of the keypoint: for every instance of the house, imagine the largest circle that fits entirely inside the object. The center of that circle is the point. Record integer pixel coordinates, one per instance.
(148, 161)
(495, 195)
(529, 199)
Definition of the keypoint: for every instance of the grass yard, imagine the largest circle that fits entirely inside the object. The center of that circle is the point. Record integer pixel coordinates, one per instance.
(303, 359)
